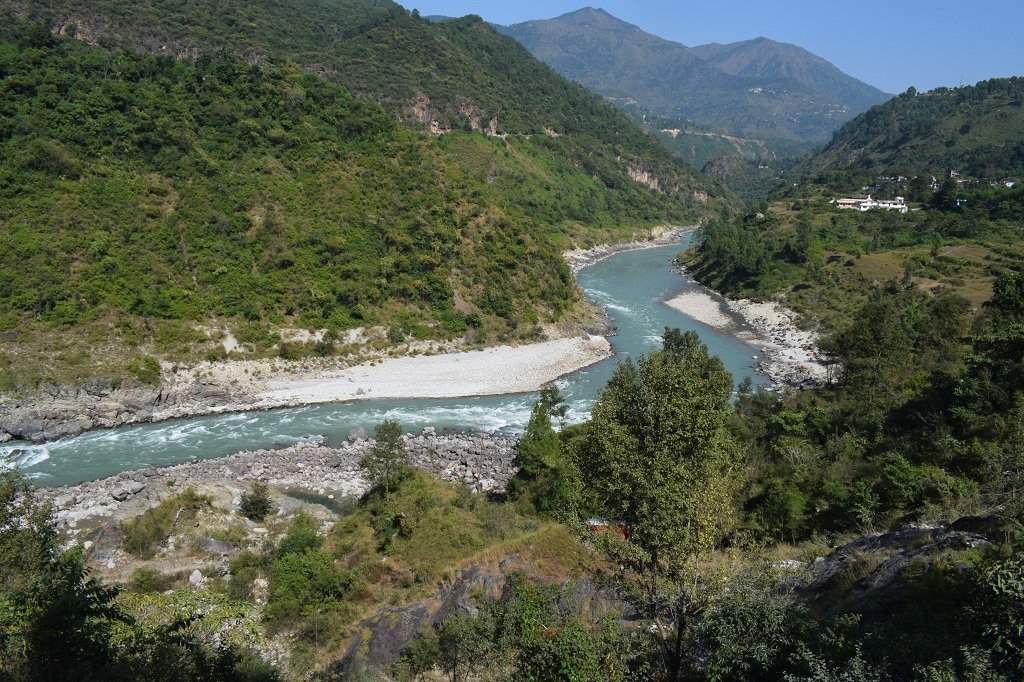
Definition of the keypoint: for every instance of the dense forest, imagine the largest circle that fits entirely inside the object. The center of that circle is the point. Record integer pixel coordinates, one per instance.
(975, 129)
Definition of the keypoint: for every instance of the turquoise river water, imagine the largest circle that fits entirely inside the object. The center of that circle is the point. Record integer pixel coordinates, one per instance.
(632, 285)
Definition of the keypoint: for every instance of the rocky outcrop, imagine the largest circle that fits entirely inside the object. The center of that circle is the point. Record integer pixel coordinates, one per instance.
(380, 640)
(61, 411)
(872, 573)
(581, 258)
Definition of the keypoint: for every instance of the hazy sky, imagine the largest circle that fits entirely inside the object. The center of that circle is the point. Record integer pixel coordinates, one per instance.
(891, 45)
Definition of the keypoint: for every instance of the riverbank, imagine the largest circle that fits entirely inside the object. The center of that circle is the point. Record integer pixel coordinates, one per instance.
(481, 461)
(246, 385)
(490, 371)
(659, 236)
(789, 355)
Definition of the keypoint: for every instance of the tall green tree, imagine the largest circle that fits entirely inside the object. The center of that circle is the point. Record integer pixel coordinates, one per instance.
(657, 457)
(387, 457)
(55, 623)
(546, 480)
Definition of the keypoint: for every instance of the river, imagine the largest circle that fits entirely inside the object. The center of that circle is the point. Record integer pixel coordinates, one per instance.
(631, 284)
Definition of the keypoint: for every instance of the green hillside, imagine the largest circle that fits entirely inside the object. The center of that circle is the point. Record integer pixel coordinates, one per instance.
(150, 194)
(978, 130)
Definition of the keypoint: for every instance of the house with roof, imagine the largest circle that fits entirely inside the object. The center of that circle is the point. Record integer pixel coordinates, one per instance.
(854, 204)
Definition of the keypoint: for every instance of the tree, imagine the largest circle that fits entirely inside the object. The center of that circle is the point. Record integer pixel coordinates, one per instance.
(387, 457)
(554, 401)
(256, 504)
(55, 623)
(544, 478)
(657, 457)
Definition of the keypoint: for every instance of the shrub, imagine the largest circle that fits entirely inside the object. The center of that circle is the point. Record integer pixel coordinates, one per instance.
(245, 568)
(146, 370)
(300, 583)
(149, 580)
(256, 504)
(301, 537)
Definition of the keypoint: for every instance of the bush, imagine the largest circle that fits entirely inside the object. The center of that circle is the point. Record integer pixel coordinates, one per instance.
(146, 370)
(245, 568)
(149, 580)
(300, 583)
(301, 537)
(144, 534)
(256, 504)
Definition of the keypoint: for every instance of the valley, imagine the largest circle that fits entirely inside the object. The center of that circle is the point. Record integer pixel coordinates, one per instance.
(342, 342)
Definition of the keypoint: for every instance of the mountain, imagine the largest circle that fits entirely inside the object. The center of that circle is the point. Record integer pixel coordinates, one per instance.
(977, 129)
(770, 61)
(758, 88)
(181, 167)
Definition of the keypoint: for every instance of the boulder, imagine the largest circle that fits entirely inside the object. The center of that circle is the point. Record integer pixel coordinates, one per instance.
(125, 490)
(997, 529)
(216, 546)
(196, 580)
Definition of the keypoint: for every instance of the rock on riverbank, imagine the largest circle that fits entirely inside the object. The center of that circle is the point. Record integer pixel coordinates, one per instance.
(789, 354)
(239, 386)
(61, 411)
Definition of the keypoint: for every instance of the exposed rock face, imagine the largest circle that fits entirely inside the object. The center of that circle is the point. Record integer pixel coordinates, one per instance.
(580, 258)
(871, 573)
(380, 639)
(61, 411)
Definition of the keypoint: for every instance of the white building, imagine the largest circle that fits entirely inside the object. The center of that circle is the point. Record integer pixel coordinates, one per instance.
(897, 204)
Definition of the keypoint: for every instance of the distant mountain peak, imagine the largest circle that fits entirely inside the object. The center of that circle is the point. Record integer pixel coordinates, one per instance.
(754, 87)
(593, 15)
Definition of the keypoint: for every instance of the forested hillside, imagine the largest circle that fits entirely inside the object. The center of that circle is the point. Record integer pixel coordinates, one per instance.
(151, 193)
(977, 129)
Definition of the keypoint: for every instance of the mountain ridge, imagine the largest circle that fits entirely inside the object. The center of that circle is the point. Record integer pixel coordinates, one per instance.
(977, 130)
(802, 96)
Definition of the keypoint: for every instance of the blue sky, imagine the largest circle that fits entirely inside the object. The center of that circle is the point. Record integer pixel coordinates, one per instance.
(891, 45)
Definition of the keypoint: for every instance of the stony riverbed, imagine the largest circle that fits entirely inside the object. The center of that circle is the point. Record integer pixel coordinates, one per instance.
(483, 462)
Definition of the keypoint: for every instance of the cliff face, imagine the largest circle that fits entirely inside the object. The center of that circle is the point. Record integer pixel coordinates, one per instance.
(381, 639)
(54, 412)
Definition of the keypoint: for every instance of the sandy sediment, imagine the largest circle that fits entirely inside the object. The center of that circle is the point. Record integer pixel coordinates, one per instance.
(702, 307)
(790, 355)
(491, 371)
